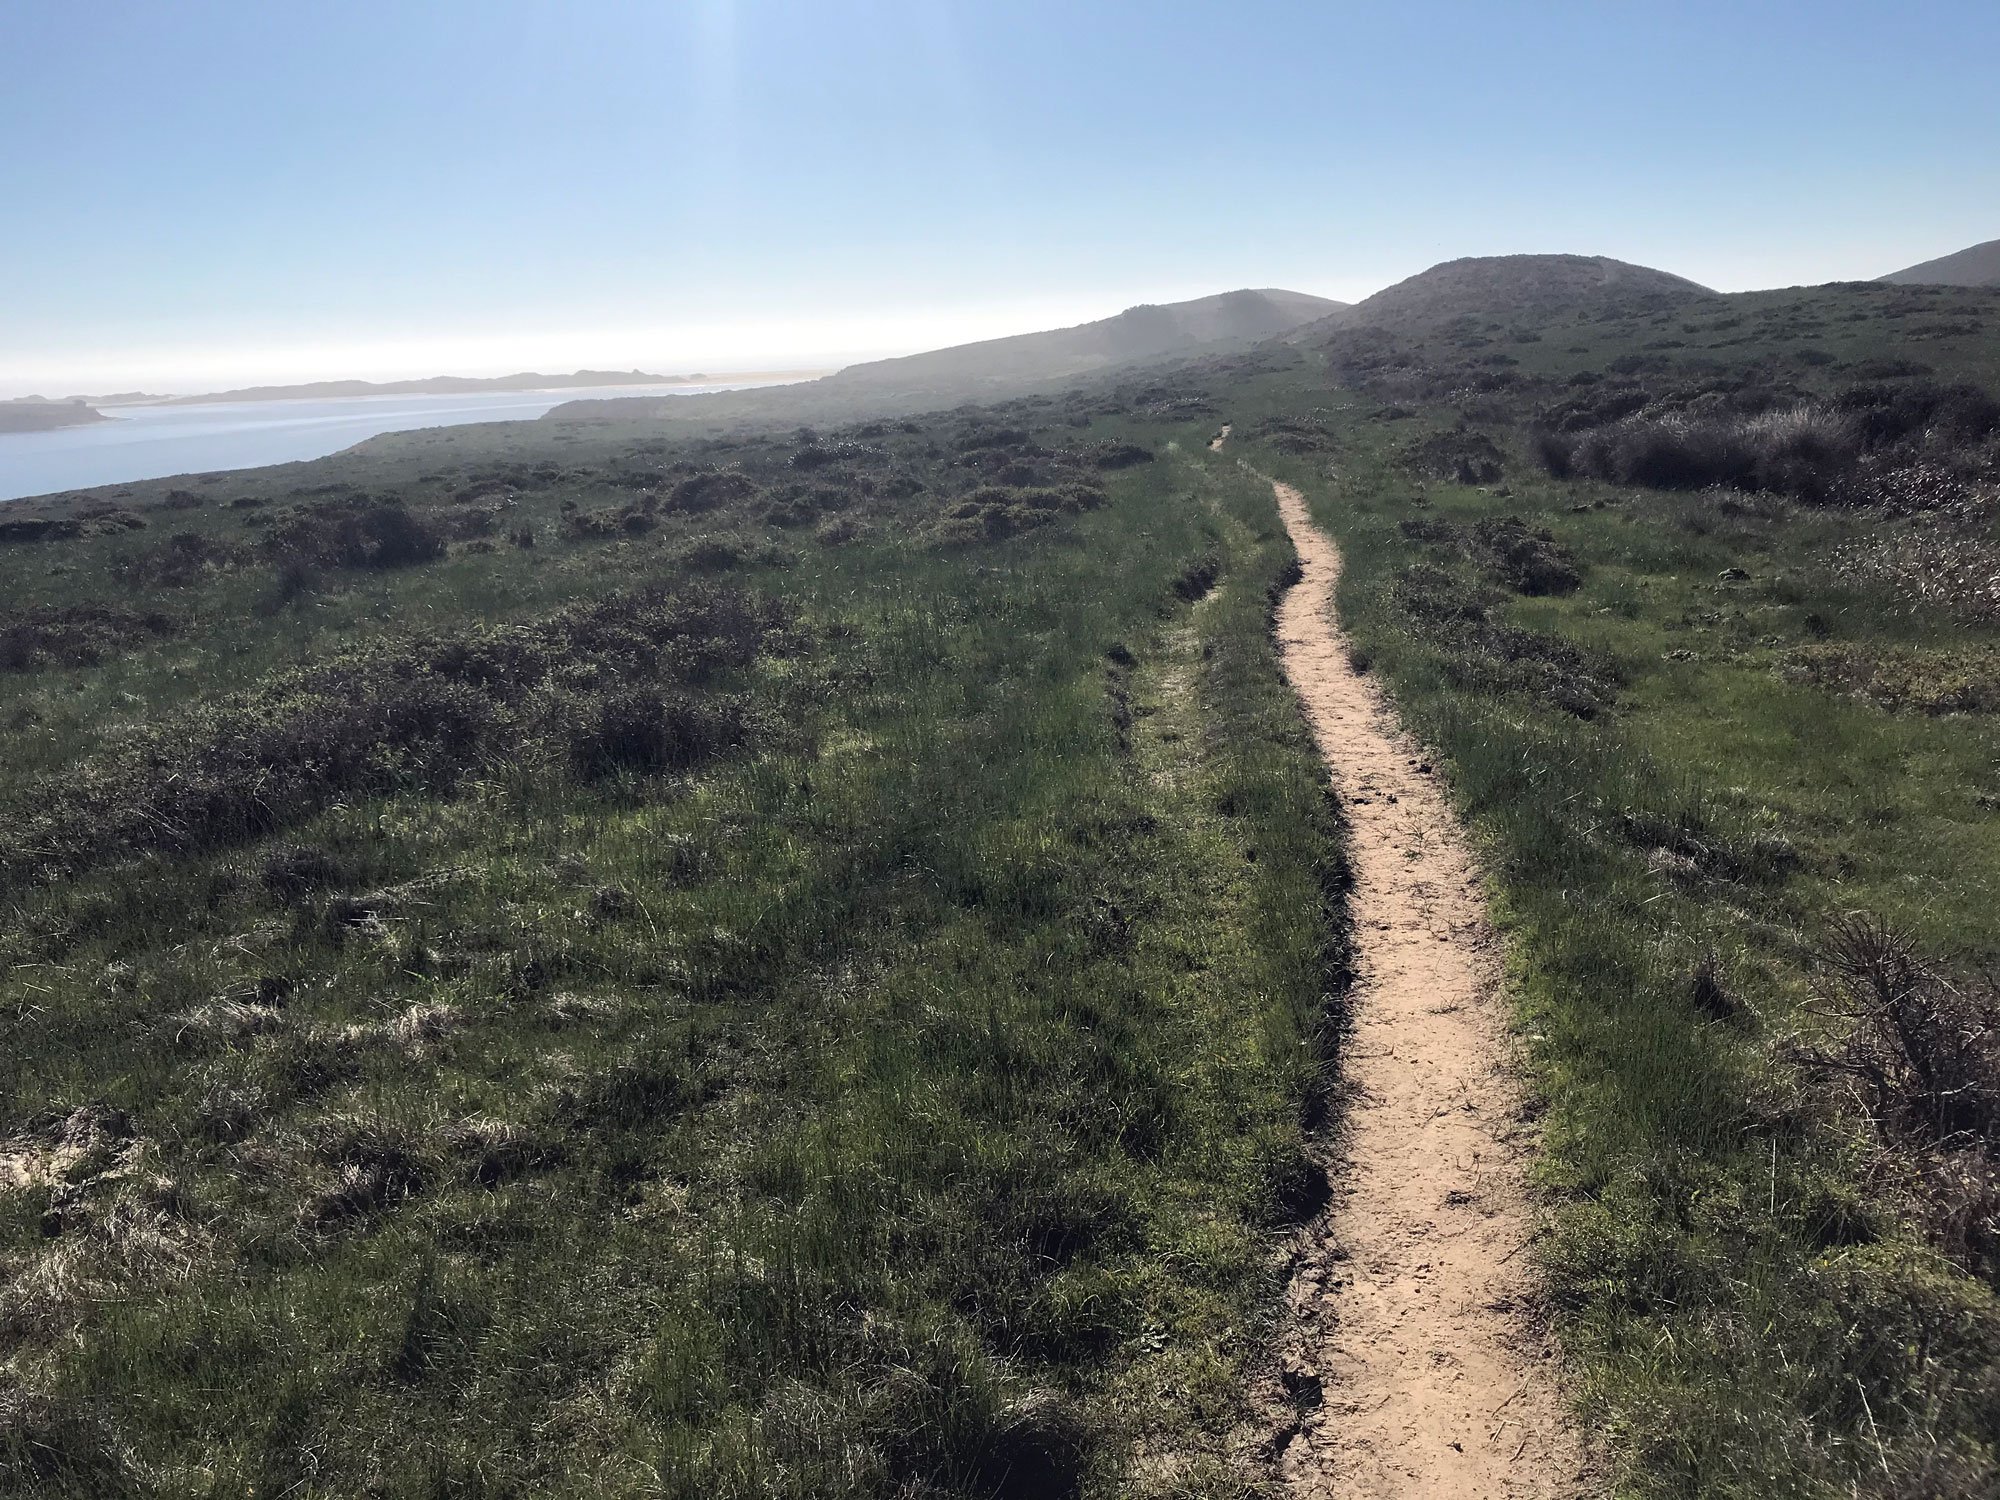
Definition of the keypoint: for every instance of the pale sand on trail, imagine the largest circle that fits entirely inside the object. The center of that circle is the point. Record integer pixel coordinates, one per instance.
(1409, 1314)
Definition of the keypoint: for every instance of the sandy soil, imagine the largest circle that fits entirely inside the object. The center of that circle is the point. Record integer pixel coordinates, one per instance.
(1412, 1366)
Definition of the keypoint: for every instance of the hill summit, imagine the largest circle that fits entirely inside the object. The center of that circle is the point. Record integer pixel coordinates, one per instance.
(1516, 287)
(1976, 266)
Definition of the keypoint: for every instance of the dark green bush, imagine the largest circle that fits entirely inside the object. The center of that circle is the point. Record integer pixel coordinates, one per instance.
(364, 534)
(642, 730)
(75, 635)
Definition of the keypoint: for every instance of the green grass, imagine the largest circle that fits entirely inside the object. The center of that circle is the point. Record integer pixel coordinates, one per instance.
(902, 1103)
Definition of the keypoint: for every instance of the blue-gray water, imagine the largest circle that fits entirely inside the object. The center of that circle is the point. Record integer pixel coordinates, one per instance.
(154, 442)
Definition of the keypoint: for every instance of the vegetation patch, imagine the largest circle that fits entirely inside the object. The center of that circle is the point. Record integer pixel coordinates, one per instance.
(997, 511)
(75, 635)
(410, 714)
(1486, 655)
(1857, 448)
(181, 561)
(1462, 455)
(1918, 1055)
(359, 534)
(1947, 681)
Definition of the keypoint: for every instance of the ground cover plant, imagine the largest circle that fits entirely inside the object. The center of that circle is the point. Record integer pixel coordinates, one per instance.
(1728, 739)
(787, 965)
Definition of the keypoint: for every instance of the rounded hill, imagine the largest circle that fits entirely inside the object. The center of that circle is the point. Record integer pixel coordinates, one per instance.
(1526, 288)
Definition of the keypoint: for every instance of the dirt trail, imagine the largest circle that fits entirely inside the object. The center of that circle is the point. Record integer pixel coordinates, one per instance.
(1408, 1308)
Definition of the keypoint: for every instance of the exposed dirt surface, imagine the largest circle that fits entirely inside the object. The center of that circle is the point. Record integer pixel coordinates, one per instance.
(1412, 1364)
(1215, 443)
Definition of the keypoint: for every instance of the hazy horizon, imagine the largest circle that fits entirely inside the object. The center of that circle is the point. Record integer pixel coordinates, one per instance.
(748, 347)
(221, 196)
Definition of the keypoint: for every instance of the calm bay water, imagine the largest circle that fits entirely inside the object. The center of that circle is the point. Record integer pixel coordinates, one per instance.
(155, 442)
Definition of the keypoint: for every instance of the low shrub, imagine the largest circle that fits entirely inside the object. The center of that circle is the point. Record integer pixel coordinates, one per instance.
(1481, 654)
(1951, 414)
(1524, 559)
(361, 534)
(182, 560)
(1928, 571)
(1120, 455)
(635, 518)
(75, 635)
(1921, 1057)
(643, 730)
(1462, 455)
(1961, 680)
(32, 529)
(995, 512)
(1751, 437)
(710, 491)
(413, 713)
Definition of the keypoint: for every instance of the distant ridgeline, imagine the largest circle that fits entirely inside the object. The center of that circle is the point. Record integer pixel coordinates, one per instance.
(437, 385)
(995, 369)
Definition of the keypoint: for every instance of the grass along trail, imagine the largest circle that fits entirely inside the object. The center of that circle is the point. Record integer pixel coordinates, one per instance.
(1411, 1355)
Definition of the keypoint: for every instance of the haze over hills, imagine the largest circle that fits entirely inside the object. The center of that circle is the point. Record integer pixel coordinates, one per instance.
(1511, 286)
(1978, 265)
(998, 368)
(1149, 331)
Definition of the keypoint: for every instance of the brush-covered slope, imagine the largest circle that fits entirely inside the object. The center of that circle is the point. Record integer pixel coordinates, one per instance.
(1512, 288)
(1977, 266)
(992, 369)
(1138, 333)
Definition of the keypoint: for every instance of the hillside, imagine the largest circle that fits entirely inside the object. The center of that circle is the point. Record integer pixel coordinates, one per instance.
(994, 369)
(1977, 266)
(1139, 333)
(1509, 288)
(1535, 329)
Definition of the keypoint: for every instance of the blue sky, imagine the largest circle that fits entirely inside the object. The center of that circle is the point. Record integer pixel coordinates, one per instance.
(203, 192)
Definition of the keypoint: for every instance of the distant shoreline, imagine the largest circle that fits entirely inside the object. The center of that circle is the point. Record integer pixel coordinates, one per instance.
(137, 443)
(436, 385)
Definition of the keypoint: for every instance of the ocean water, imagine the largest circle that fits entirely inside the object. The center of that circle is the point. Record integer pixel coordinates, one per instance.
(156, 442)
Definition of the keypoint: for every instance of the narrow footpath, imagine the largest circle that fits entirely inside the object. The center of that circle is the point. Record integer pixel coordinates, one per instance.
(1411, 1366)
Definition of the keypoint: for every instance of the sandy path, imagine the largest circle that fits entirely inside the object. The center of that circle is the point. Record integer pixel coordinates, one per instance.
(1409, 1306)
